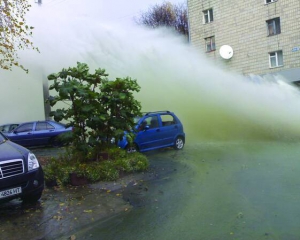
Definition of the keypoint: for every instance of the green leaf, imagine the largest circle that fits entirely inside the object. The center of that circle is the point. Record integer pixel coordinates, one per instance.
(53, 76)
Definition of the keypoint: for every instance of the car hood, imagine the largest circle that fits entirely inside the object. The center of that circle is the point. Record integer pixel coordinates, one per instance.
(10, 150)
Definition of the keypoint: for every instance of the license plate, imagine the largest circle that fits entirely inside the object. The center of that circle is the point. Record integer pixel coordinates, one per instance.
(10, 192)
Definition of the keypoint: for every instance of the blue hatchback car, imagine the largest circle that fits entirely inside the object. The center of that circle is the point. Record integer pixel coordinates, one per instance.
(156, 130)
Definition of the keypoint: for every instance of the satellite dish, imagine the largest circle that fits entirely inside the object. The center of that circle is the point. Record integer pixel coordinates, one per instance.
(226, 52)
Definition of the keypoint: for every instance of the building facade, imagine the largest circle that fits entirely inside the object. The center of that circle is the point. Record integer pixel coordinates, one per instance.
(255, 36)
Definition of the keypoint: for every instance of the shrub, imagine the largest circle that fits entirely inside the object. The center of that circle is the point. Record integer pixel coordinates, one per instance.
(60, 168)
(98, 109)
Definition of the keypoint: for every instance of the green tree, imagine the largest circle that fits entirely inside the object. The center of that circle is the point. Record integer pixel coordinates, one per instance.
(14, 32)
(98, 109)
(168, 15)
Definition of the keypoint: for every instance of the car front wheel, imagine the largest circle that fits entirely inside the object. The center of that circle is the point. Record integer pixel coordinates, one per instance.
(179, 143)
(55, 142)
(32, 198)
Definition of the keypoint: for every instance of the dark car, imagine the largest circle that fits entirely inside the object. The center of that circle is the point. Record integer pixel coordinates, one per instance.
(21, 175)
(38, 133)
(156, 130)
(8, 127)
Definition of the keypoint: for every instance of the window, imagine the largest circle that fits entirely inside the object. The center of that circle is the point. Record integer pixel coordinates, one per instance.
(270, 1)
(27, 127)
(208, 16)
(276, 59)
(297, 83)
(152, 122)
(43, 126)
(167, 120)
(273, 26)
(210, 44)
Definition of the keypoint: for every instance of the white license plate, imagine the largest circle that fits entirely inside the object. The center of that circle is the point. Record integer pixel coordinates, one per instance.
(10, 192)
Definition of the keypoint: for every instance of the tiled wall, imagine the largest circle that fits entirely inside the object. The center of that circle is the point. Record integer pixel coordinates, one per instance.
(242, 25)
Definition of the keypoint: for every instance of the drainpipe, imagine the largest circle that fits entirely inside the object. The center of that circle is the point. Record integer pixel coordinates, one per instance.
(47, 107)
(187, 6)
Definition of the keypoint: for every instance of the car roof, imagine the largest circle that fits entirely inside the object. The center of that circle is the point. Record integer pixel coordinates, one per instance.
(48, 121)
(39, 121)
(155, 112)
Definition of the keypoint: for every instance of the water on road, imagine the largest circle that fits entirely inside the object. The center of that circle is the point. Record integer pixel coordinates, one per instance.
(216, 191)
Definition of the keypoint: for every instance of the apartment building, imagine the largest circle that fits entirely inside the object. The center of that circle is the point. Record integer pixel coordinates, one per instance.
(258, 37)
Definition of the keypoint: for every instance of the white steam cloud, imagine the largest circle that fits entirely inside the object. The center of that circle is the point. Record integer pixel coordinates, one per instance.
(211, 102)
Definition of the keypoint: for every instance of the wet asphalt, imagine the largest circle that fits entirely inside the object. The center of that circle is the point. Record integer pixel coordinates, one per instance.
(63, 211)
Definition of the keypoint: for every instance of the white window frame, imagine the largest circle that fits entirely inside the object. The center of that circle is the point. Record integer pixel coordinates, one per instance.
(270, 1)
(274, 26)
(212, 43)
(276, 56)
(209, 14)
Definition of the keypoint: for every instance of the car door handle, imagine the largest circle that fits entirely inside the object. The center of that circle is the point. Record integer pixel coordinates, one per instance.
(158, 130)
(29, 133)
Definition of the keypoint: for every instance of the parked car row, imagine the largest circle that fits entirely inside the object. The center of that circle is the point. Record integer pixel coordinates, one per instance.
(153, 130)
(21, 175)
(36, 133)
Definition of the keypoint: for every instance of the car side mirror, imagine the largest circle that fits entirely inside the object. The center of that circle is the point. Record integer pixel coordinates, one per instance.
(146, 127)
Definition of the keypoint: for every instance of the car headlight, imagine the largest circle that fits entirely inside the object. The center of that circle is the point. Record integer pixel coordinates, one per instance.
(32, 162)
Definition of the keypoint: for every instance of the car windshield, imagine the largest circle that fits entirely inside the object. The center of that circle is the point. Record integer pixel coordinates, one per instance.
(4, 128)
(2, 138)
(136, 119)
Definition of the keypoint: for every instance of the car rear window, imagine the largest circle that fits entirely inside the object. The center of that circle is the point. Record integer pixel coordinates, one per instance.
(43, 126)
(167, 120)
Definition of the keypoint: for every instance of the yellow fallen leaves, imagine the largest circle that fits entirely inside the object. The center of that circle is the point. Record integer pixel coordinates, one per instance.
(58, 218)
(72, 237)
(87, 211)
